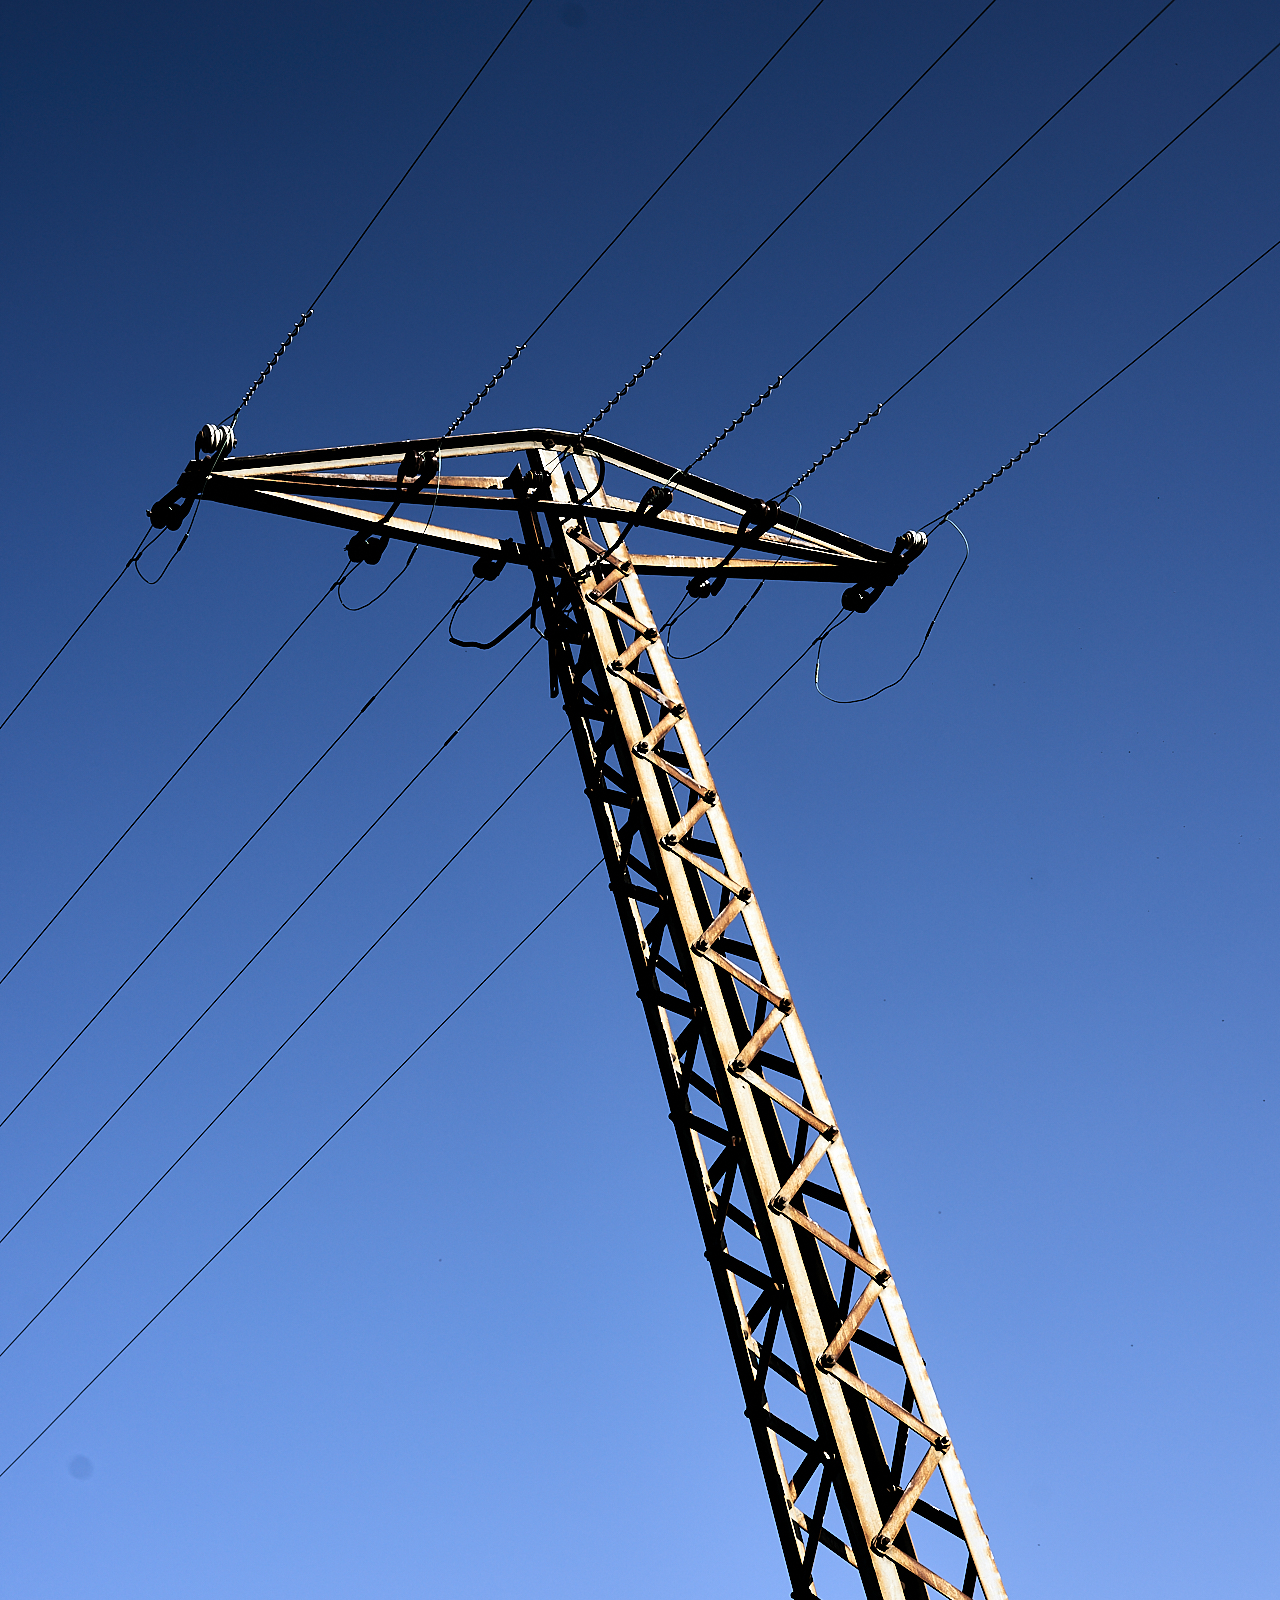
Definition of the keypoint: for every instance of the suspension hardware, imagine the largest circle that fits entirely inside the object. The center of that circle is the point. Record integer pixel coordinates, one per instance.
(214, 441)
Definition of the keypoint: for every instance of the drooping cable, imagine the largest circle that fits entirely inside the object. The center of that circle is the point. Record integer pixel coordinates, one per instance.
(692, 598)
(444, 1021)
(692, 654)
(861, 699)
(255, 1075)
(103, 859)
(1022, 277)
(225, 866)
(310, 311)
(986, 483)
(390, 584)
(269, 940)
(174, 554)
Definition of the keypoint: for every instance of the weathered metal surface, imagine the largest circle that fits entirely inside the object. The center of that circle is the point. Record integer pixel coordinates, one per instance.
(815, 1322)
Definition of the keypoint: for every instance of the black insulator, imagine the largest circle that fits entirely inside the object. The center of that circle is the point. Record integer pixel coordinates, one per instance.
(167, 513)
(861, 596)
(421, 463)
(655, 500)
(367, 547)
(760, 515)
(703, 588)
(488, 567)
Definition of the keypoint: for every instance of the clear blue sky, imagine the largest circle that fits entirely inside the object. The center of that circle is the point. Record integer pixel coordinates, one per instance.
(1026, 900)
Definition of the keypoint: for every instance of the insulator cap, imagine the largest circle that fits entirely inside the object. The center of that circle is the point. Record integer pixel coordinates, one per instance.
(214, 437)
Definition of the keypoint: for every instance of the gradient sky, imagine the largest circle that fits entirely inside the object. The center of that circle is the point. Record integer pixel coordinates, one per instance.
(1026, 899)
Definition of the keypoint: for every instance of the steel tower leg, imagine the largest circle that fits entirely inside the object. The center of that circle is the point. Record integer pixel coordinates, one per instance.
(798, 1268)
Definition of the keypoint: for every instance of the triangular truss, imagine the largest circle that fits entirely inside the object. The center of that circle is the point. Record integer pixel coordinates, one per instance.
(334, 487)
(857, 1459)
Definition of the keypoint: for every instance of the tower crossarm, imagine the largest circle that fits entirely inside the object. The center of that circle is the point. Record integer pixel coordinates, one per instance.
(335, 487)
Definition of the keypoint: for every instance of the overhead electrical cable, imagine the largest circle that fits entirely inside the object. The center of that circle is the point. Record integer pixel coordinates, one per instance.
(862, 138)
(203, 740)
(1004, 294)
(633, 218)
(324, 999)
(1093, 394)
(447, 1018)
(937, 228)
(307, 314)
(226, 864)
(289, 338)
(947, 516)
(143, 546)
(862, 699)
(755, 405)
(493, 971)
(275, 933)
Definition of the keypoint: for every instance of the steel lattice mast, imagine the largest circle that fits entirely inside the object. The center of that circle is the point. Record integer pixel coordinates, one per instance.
(846, 1424)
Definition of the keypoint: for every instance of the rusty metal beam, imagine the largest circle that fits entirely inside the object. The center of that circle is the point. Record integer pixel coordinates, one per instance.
(798, 1269)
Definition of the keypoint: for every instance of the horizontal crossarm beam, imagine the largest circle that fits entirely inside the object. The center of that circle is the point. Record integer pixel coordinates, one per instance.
(340, 471)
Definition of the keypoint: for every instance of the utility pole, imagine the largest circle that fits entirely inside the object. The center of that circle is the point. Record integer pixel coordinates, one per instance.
(848, 1430)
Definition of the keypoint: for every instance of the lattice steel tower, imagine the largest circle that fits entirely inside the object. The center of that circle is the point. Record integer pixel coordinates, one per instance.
(846, 1424)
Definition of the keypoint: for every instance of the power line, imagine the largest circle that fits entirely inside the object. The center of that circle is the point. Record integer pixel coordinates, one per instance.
(253, 1076)
(999, 473)
(143, 545)
(492, 973)
(306, 315)
(192, 752)
(862, 699)
(226, 864)
(956, 209)
(666, 345)
(444, 1020)
(841, 616)
(280, 927)
(266, 371)
(938, 354)
(634, 217)
(987, 482)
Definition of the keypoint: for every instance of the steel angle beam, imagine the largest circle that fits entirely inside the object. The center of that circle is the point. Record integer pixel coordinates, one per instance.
(847, 1427)
(862, 1477)
(315, 477)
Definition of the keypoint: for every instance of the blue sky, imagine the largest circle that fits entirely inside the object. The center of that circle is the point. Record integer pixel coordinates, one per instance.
(1026, 899)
